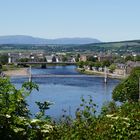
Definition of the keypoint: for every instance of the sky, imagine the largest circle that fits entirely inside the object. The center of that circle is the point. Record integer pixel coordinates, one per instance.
(106, 20)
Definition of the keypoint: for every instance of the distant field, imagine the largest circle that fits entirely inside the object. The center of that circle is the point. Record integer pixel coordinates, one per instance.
(124, 46)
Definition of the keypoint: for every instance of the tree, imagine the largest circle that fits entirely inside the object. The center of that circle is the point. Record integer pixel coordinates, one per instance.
(119, 60)
(90, 64)
(106, 63)
(80, 64)
(115, 122)
(112, 67)
(128, 89)
(64, 58)
(4, 59)
(0, 68)
(23, 60)
(77, 57)
(91, 58)
(15, 121)
(129, 58)
(97, 64)
(138, 58)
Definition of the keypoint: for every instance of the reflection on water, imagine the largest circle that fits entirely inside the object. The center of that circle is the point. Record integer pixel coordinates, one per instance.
(66, 92)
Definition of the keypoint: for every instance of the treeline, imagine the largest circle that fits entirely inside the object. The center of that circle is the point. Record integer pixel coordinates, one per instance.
(114, 122)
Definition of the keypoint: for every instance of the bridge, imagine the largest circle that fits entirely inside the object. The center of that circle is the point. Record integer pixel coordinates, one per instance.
(60, 76)
(42, 63)
(30, 75)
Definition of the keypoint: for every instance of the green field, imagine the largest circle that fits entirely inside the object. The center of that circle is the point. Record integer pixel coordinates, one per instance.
(120, 47)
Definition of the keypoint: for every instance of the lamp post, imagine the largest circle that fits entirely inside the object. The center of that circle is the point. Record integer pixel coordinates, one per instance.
(134, 55)
(30, 74)
(125, 69)
(139, 89)
(105, 72)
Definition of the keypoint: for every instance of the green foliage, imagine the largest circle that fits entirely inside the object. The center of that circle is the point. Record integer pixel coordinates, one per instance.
(80, 64)
(129, 58)
(64, 58)
(4, 59)
(97, 64)
(114, 122)
(15, 121)
(13, 110)
(106, 63)
(119, 60)
(128, 90)
(77, 58)
(109, 108)
(138, 58)
(0, 68)
(42, 107)
(112, 67)
(29, 86)
(92, 59)
(23, 60)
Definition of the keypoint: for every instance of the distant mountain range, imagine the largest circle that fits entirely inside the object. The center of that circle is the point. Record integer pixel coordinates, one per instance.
(22, 39)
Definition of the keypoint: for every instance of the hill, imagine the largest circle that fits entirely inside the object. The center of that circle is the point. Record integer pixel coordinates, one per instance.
(117, 47)
(122, 47)
(22, 39)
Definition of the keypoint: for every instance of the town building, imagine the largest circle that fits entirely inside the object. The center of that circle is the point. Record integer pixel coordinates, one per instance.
(51, 58)
(83, 58)
(130, 65)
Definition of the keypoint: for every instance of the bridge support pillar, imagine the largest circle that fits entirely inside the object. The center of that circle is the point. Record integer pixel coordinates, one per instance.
(43, 66)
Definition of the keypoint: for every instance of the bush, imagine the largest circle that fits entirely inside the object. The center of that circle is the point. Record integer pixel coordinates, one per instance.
(16, 123)
(128, 89)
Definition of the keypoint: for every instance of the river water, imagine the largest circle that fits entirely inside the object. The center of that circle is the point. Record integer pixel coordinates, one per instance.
(66, 92)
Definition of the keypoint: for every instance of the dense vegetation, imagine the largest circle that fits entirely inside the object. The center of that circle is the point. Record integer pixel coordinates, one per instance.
(114, 122)
(3, 59)
(128, 89)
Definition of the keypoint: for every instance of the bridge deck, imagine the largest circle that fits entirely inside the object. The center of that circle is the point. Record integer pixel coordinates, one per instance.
(67, 63)
(63, 76)
(60, 76)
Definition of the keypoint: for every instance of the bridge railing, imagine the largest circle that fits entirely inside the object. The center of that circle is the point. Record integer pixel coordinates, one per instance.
(20, 63)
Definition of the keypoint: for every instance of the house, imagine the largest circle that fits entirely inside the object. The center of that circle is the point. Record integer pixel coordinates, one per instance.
(123, 69)
(83, 58)
(94, 68)
(57, 59)
(130, 65)
(120, 65)
(103, 57)
(100, 69)
(119, 71)
(73, 59)
(51, 59)
(13, 57)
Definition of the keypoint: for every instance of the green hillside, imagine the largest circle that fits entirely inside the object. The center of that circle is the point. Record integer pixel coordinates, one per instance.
(120, 47)
(124, 46)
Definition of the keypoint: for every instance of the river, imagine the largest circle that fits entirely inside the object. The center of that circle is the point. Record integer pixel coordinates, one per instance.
(66, 92)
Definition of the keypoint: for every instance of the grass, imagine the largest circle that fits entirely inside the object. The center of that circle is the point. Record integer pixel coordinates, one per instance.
(9, 67)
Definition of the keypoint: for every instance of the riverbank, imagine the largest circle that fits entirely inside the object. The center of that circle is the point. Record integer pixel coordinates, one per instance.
(17, 72)
(91, 72)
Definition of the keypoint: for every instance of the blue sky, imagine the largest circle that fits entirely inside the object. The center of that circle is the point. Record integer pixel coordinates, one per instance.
(107, 20)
